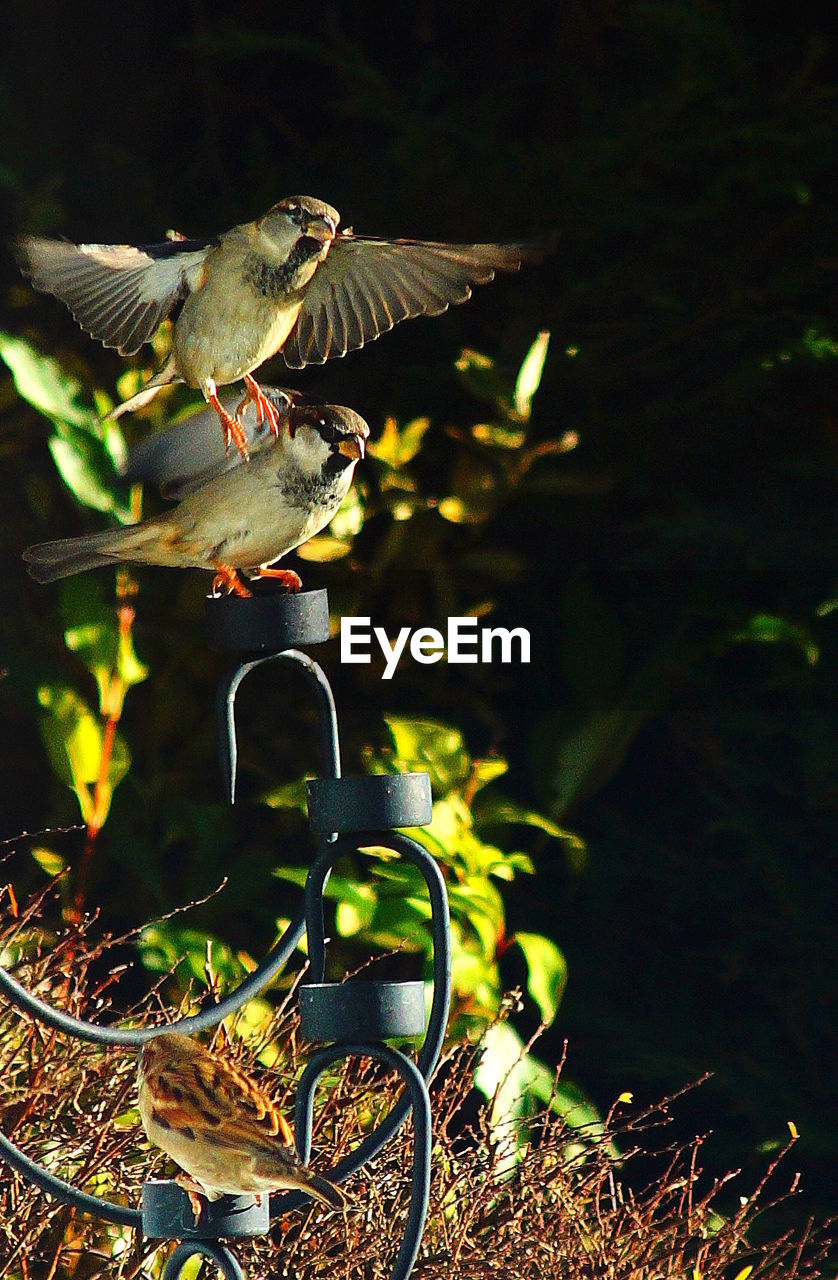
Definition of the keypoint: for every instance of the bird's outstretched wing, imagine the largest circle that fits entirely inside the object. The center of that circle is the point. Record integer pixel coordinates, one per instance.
(118, 293)
(365, 286)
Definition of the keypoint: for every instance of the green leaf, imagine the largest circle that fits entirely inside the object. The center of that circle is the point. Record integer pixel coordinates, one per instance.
(498, 811)
(74, 739)
(49, 861)
(515, 1083)
(289, 795)
(426, 744)
(85, 450)
(529, 375)
(396, 447)
(546, 973)
(89, 477)
(766, 628)
(107, 650)
(41, 382)
(165, 947)
(478, 903)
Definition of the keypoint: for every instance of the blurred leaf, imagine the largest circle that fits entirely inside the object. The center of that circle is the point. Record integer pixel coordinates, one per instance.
(48, 860)
(323, 549)
(165, 947)
(765, 628)
(819, 345)
(546, 973)
(478, 902)
(514, 1082)
(74, 738)
(356, 913)
(529, 375)
(481, 377)
(75, 457)
(107, 650)
(85, 450)
(41, 382)
(396, 447)
(426, 744)
(498, 811)
(289, 795)
(499, 435)
(487, 770)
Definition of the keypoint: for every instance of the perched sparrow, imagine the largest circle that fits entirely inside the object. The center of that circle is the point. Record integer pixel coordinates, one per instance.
(289, 282)
(231, 515)
(218, 1126)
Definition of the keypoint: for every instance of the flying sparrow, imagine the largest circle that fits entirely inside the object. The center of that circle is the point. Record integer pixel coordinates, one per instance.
(230, 515)
(218, 1125)
(289, 282)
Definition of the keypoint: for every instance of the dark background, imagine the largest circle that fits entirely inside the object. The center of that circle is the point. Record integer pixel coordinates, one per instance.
(677, 571)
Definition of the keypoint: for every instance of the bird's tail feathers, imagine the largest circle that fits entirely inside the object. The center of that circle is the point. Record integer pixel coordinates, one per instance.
(48, 561)
(163, 378)
(323, 1190)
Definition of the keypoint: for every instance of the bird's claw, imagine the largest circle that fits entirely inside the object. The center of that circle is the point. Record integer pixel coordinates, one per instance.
(228, 580)
(287, 577)
(193, 1190)
(233, 429)
(265, 408)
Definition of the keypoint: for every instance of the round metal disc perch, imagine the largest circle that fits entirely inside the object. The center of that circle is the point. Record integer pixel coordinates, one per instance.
(374, 800)
(267, 624)
(345, 1011)
(168, 1215)
(348, 814)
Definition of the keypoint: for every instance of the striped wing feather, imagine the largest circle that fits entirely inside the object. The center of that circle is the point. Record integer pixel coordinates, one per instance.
(216, 1100)
(118, 293)
(366, 286)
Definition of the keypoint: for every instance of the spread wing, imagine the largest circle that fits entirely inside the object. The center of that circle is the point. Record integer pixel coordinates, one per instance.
(118, 293)
(365, 286)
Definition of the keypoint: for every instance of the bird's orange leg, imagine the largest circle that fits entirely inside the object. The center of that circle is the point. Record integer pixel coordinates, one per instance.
(195, 1192)
(287, 577)
(231, 426)
(265, 408)
(227, 577)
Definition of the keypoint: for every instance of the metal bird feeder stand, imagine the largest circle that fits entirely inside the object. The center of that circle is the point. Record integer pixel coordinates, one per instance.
(350, 1018)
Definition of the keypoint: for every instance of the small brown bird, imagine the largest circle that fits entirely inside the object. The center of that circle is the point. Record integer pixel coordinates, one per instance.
(219, 1126)
(231, 515)
(289, 282)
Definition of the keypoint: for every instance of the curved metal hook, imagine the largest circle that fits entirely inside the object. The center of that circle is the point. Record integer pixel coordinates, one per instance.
(135, 1037)
(226, 705)
(217, 1253)
(417, 1099)
(65, 1191)
(428, 1055)
(279, 956)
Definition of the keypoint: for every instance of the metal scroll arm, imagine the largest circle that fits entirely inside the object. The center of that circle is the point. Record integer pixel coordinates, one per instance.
(429, 1053)
(211, 1249)
(284, 948)
(417, 1099)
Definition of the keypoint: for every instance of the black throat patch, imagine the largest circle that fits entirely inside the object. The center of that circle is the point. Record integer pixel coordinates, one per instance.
(278, 279)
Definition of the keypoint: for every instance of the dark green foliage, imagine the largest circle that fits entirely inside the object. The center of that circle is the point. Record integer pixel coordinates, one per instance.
(676, 567)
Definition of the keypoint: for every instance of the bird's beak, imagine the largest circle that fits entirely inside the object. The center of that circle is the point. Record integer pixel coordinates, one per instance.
(352, 447)
(321, 228)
